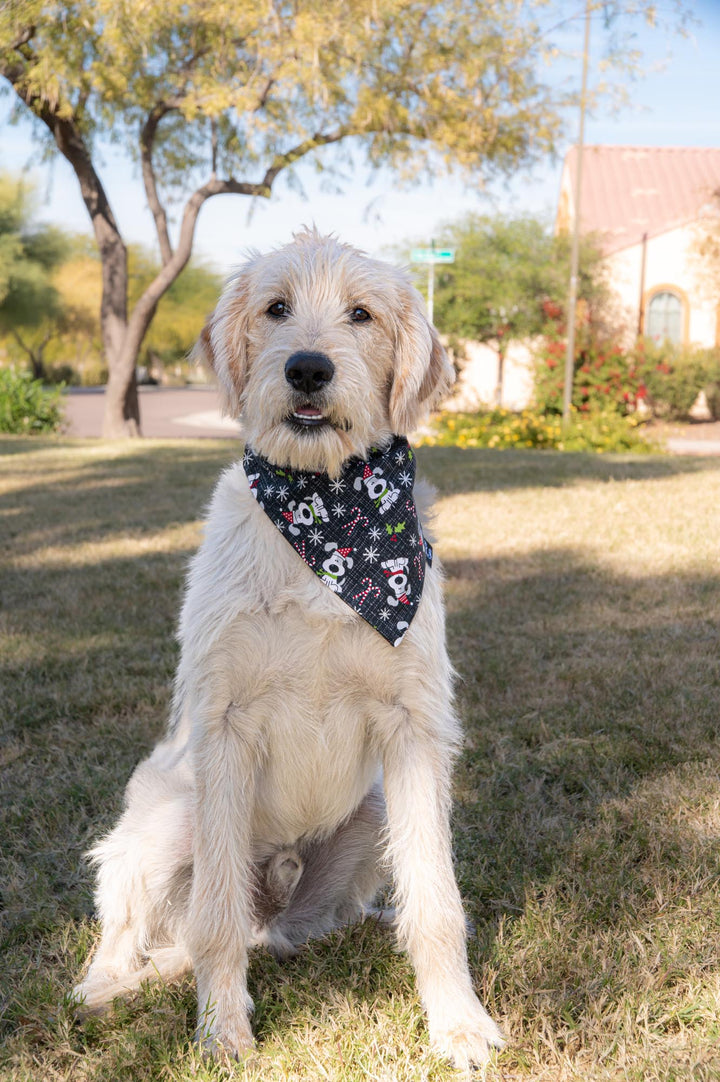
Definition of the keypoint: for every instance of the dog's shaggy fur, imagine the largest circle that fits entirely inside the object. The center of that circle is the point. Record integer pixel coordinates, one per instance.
(305, 754)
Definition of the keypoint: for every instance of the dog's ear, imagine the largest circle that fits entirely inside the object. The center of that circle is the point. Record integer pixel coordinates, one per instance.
(223, 345)
(423, 373)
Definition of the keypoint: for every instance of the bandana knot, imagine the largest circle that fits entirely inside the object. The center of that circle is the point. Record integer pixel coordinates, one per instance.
(372, 504)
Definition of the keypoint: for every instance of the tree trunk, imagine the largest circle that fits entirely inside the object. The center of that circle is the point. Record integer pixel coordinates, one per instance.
(121, 417)
(500, 379)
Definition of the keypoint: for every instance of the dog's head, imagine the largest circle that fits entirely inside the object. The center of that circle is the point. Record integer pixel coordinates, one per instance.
(324, 353)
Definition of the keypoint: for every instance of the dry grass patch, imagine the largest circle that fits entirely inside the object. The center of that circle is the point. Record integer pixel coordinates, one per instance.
(583, 604)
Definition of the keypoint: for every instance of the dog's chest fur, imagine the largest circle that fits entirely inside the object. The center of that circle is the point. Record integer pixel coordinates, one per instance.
(309, 680)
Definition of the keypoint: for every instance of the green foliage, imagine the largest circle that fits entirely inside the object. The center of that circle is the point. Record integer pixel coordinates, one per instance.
(675, 377)
(26, 407)
(238, 85)
(502, 429)
(509, 274)
(28, 255)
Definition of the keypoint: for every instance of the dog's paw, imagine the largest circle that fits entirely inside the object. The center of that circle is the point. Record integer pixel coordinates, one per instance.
(93, 995)
(468, 1042)
(223, 1031)
(227, 1044)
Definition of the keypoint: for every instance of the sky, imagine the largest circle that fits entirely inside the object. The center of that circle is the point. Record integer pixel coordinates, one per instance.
(674, 104)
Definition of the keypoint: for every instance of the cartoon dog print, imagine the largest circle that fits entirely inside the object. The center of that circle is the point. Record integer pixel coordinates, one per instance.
(307, 513)
(396, 572)
(335, 567)
(382, 492)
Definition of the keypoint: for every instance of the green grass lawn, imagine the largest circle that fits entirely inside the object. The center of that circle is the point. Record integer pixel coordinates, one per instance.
(584, 612)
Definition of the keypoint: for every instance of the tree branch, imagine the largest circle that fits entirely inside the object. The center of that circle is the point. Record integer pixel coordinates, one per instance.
(147, 140)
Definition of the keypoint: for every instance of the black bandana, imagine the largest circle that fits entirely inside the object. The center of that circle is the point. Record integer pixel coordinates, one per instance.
(360, 533)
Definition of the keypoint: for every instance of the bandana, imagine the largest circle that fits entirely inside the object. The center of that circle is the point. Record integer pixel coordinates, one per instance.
(360, 534)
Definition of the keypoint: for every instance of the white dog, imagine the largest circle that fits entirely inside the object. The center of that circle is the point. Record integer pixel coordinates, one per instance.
(306, 753)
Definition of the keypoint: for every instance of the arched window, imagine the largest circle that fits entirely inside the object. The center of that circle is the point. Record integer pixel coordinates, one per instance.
(665, 318)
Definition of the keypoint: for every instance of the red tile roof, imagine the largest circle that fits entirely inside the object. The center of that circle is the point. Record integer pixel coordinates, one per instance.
(631, 190)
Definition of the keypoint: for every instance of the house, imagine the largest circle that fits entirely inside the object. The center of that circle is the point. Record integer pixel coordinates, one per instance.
(645, 206)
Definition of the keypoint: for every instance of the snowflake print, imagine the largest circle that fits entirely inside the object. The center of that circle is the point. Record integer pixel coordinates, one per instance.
(370, 555)
(338, 486)
(413, 539)
(302, 482)
(268, 490)
(384, 614)
(405, 478)
(399, 457)
(375, 533)
(338, 509)
(280, 524)
(315, 536)
(282, 492)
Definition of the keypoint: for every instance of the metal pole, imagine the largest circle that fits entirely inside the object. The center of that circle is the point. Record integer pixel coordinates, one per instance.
(641, 311)
(575, 251)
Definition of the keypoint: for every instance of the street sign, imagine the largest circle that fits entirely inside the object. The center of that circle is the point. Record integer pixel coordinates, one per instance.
(432, 255)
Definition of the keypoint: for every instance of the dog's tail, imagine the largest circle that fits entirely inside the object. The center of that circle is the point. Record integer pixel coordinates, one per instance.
(163, 963)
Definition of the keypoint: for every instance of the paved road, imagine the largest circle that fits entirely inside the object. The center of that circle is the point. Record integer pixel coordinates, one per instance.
(165, 412)
(174, 412)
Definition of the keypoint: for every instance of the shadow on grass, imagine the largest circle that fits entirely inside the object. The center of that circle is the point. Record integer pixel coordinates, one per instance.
(455, 470)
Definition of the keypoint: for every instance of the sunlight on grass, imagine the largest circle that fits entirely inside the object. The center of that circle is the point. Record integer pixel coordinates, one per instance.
(583, 600)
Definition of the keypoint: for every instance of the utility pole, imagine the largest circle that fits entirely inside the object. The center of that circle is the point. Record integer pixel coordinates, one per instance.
(575, 250)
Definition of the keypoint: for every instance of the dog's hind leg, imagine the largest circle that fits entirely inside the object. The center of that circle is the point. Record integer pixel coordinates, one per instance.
(340, 879)
(143, 881)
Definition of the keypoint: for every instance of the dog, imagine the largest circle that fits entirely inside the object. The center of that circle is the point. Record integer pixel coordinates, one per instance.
(308, 757)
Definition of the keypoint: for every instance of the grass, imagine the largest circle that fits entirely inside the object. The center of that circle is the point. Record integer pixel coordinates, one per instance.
(583, 602)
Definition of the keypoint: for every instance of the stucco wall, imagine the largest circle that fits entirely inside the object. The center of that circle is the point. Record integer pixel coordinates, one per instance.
(478, 378)
(669, 262)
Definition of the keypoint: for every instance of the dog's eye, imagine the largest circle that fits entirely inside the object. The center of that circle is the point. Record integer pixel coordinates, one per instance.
(360, 315)
(278, 309)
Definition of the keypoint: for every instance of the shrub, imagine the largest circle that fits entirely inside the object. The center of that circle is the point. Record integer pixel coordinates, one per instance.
(674, 377)
(26, 407)
(665, 379)
(606, 377)
(601, 432)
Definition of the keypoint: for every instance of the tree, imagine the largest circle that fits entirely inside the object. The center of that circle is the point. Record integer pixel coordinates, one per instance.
(509, 274)
(30, 305)
(205, 94)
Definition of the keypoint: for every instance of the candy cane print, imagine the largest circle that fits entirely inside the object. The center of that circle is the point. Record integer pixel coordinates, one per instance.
(350, 526)
(369, 589)
(418, 561)
(305, 555)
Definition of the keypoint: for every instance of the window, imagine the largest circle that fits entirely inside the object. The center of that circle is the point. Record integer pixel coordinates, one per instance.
(665, 318)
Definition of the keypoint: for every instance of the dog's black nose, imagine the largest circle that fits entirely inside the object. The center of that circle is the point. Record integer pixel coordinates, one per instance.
(308, 372)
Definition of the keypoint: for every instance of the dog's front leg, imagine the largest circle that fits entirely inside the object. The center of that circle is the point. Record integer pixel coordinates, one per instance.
(220, 911)
(430, 918)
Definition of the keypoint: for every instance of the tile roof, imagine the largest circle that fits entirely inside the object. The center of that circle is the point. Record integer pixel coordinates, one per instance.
(631, 190)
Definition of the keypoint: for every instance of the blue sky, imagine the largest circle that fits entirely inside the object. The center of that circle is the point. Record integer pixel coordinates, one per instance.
(675, 104)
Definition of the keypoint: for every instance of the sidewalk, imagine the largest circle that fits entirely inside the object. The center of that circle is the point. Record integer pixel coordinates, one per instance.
(165, 413)
(174, 412)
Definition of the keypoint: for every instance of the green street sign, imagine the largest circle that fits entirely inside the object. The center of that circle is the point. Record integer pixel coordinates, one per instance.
(432, 255)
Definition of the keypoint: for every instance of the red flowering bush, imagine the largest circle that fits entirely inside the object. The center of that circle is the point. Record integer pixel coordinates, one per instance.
(666, 380)
(605, 378)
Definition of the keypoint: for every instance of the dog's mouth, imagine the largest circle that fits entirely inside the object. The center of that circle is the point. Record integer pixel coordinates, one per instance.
(306, 417)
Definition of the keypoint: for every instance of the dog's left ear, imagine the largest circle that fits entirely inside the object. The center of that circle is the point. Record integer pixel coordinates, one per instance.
(423, 373)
